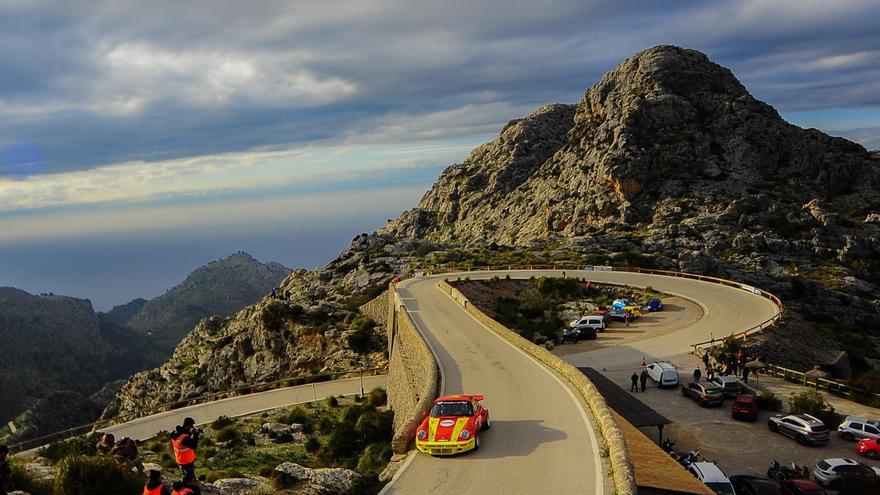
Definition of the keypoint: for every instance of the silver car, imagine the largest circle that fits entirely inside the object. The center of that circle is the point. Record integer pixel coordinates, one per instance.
(854, 428)
(829, 471)
(802, 427)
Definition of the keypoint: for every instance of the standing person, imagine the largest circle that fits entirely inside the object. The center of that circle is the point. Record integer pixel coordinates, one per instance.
(180, 489)
(155, 485)
(5, 471)
(185, 441)
(734, 368)
(710, 373)
(635, 382)
(746, 375)
(706, 359)
(697, 374)
(643, 379)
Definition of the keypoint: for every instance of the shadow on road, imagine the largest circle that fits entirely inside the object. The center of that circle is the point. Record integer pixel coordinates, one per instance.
(516, 438)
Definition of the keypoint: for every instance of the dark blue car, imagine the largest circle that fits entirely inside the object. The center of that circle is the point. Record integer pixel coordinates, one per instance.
(654, 304)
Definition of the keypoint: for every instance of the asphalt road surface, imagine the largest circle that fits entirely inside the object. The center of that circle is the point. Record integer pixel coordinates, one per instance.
(541, 440)
(147, 426)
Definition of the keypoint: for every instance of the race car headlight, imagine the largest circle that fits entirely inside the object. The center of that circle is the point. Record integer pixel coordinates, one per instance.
(422, 434)
(465, 435)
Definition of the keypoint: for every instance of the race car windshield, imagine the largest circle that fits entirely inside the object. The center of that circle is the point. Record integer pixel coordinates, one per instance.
(452, 409)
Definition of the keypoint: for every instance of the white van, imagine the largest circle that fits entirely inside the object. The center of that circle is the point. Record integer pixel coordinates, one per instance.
(597, 323)
(663, 373)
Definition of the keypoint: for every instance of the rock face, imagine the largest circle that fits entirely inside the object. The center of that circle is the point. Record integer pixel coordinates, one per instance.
(666, 123)
(219, 288)
(326, 481)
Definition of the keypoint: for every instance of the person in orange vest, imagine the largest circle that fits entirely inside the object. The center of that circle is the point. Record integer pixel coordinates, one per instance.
(181, 489)
(185, 441)
(154, 485)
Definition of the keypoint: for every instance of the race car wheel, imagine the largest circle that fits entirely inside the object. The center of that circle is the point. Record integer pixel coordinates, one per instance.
(487, 424)
(477, 443)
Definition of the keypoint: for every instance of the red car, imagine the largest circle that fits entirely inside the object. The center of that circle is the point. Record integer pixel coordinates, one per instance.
(868, 447)
(801, 487)
(745, 407)
(453, 425)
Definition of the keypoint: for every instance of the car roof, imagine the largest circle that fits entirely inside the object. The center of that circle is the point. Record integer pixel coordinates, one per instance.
(811, 420)
(710, 472)
(453, 398)
(746, 398)
(838, 461)
(664, 364)
(872, 422)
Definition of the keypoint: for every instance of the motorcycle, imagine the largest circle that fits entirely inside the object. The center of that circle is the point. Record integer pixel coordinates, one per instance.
(689, 458)
(668, 445)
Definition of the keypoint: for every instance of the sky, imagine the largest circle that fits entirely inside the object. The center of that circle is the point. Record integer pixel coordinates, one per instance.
(140, 140)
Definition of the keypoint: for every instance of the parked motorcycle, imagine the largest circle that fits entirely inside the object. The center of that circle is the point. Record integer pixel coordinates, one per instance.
(668, 445)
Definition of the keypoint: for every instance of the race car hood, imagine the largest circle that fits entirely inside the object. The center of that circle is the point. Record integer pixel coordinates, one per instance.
(447, 428)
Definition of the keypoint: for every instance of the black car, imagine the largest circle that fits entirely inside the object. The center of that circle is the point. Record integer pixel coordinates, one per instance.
(753, 485)
(705, 395)
(578, 334)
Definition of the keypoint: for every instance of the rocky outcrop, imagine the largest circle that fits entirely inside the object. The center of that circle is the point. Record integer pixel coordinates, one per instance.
(220, 288)
(324, 481)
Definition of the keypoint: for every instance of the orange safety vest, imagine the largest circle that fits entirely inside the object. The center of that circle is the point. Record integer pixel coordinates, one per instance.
(154, 491)
(183, 454)
(183, 491)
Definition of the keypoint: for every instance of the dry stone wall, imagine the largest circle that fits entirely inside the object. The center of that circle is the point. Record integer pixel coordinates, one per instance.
(624, 476)
(412, 373)
(377, 309)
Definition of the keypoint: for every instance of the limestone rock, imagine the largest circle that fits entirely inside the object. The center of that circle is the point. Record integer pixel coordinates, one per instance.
(324, 481)
(242, 486)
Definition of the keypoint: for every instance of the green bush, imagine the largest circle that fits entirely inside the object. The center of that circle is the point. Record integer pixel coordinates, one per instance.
(342, 442)
(378, 397)
(374, 459)
(24, 481)
(360, 338)
(332, 402)
(312, 444)
(283, 438)
(813, 403)
(768, 401)
(222, 422)
(373, 426)
(83, 445)
(297, 415)
(228, 434)
(84, 475)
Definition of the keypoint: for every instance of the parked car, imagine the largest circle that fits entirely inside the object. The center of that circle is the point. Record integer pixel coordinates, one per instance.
(622, 303)
(730, 386)
(712, 476)
(622, 315)
(705, 395)
(654, 304)
(802, 427)
(829, 471)
(604, 315)
(854, 428)
(595, 322)
(663, 373)
(753, 485)
(745, 407)
(801, 487)
(869, 447)
(577, 334)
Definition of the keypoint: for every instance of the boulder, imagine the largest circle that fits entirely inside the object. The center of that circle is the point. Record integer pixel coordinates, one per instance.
(324, 481)
(242, 486)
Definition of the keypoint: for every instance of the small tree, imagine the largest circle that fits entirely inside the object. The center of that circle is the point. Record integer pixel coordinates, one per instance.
(813, 403)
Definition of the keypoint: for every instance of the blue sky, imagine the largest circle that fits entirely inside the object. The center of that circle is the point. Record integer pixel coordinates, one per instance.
(180, 121)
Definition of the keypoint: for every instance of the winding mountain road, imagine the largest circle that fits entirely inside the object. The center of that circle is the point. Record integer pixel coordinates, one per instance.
(542, 439)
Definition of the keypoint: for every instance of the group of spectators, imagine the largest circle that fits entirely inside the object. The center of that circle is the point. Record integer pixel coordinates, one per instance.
(726, 365)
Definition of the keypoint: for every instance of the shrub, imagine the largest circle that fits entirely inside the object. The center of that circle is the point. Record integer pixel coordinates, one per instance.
(82, 445)
(342, 442)
(374, 459)
(360, 338)
(296, 415)
(332, 402)
(84, 475)
(373, 426)
(358, 398)
(222, 422)
(813, 403)
(24, 481)
(769, 401)
(378, 397)
(312, 444)
(283, 438)
(228, 434)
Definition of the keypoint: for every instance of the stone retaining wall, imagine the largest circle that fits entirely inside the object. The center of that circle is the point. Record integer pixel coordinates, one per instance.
(412, 373)
(624, 476)
(377, 309)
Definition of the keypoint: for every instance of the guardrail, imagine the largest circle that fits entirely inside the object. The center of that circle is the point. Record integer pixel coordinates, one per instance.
(243, 390)
(836, 388)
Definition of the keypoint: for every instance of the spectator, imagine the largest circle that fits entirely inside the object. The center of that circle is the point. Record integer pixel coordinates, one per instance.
(635, 382)
(706, 359)
(697, 374)
(745, 375)
(126, 454)
(155, 485)
(643, 379)
(710, 372)
(105, 444)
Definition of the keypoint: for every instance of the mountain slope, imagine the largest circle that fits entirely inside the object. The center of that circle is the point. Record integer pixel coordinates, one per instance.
(220, 288)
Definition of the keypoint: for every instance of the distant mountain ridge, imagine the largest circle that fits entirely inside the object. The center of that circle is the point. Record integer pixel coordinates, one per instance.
(221, 288)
